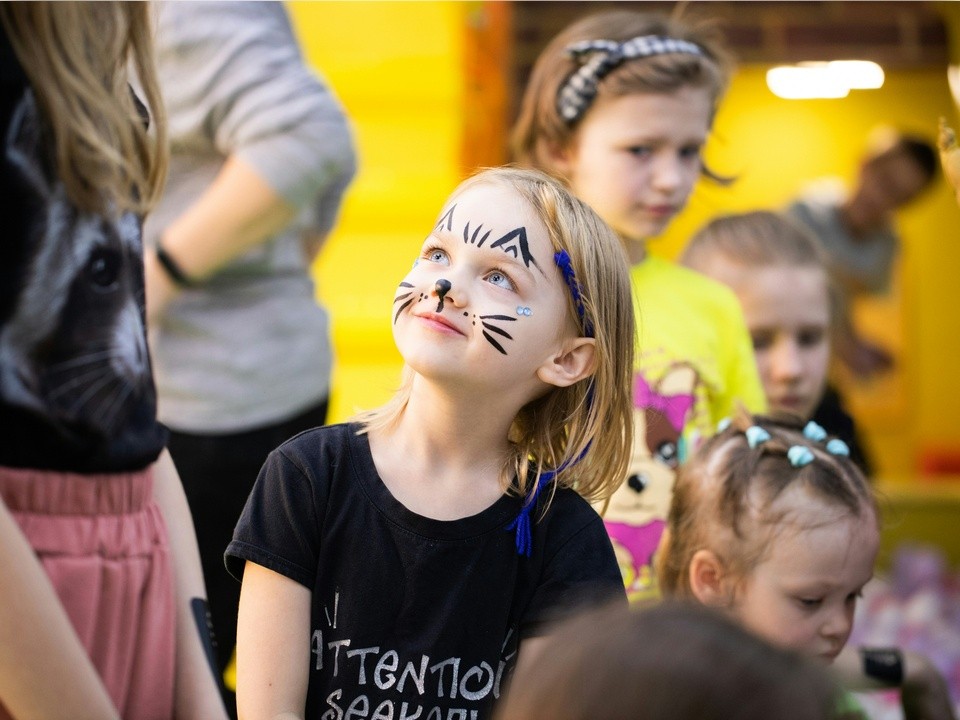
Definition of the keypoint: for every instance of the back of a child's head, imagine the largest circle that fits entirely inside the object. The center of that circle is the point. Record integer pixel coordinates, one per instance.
(728, 497)
(541, 128)
(591, 418)
(675, 661)
(754, 240)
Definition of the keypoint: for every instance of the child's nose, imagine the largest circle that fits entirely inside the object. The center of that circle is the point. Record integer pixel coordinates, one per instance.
(838, 624)
(667, 171)
(446, 293)
(787, 360)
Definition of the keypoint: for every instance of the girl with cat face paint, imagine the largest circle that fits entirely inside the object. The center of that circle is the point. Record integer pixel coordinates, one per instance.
(98, 561)
(399, 565)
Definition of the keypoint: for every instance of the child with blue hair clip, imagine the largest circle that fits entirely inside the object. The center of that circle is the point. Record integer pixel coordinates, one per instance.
(402, 564)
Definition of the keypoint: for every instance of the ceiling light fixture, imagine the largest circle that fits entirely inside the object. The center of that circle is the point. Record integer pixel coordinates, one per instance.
(824, 80)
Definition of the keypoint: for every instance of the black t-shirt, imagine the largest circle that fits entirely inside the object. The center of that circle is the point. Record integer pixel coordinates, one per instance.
(411, 616)
(76, 389)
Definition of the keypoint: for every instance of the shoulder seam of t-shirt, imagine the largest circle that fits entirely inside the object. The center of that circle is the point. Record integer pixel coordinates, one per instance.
(319, 503)
(254, 553)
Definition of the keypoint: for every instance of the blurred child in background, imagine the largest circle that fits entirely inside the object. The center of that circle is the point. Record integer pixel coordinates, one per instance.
(619, 106)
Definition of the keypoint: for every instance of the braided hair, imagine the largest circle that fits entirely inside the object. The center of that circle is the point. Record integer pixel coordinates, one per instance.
(729, 496)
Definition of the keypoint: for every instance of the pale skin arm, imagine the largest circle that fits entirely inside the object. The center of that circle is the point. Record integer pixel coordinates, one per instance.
(236, 212)
(45, 673)
(197, 694)
(273, 646)
(924, 693)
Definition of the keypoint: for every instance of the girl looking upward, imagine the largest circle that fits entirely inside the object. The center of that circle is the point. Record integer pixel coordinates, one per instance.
(396, 565)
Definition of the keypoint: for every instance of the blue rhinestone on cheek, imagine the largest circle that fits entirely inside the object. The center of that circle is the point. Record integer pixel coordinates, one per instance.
(521, 310)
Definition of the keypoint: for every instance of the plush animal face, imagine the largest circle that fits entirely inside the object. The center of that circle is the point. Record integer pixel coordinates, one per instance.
(72, 341)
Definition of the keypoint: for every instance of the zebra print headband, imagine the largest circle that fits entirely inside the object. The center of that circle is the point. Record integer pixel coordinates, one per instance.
(597, 58)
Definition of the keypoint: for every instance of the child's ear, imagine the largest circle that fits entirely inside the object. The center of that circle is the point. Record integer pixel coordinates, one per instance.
(575, 360)
(560, 158)
(708, 581)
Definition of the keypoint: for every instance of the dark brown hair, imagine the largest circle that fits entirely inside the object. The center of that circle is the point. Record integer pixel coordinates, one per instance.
(675, 661)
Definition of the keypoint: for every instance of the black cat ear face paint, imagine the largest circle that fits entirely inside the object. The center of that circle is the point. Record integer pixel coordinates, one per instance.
(514, 242)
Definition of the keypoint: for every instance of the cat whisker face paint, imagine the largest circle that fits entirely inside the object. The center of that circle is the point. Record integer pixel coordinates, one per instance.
(483, 287)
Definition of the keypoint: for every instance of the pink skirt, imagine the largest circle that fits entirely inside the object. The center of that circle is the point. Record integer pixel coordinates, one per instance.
(103, 543)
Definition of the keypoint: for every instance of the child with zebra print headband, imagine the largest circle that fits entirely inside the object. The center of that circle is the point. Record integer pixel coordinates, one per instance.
(619, 106)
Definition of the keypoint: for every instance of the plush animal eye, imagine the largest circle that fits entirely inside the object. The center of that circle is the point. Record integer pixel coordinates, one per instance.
(103, 269)
(667, 452)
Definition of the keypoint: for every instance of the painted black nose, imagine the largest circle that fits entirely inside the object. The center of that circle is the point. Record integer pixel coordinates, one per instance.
(443, 287)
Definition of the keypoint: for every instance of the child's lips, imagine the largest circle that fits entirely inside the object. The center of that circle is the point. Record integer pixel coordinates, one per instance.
(661, 211)
(438, 322)
(791, 402)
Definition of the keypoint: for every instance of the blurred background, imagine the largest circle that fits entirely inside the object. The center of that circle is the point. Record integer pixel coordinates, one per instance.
(432, 88)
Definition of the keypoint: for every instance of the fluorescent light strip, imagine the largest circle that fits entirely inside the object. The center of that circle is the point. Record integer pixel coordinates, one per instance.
(823, 80)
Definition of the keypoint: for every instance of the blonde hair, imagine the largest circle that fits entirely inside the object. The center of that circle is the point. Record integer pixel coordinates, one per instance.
(540, 130)
(759, 239)
(724, 497)
(76, 56)
(593, 417)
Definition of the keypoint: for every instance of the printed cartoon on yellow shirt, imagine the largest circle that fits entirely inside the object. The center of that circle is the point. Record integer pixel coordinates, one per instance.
(637, 512)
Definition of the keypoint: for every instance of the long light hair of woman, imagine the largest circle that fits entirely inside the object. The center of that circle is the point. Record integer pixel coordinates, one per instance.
(77, 57)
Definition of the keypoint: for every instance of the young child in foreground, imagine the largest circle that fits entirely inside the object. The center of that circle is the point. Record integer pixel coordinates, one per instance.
(779, 274)
(773, 522)
(672, 661)
(399, 565)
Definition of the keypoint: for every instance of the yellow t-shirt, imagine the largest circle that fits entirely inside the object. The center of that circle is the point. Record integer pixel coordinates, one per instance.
(695, 362)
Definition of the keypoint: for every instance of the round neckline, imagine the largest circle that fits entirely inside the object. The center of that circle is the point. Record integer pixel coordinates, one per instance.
(494, 517)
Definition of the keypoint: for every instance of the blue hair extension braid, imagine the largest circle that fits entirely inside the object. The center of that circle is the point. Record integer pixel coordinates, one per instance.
(562, 259)
(524, 536)
(522, 524)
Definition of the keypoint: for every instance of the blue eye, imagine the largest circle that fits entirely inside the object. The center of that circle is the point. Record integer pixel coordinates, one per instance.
(810, 603)
(690, 152)
(500, 279)
(640, 151)
(436, 255)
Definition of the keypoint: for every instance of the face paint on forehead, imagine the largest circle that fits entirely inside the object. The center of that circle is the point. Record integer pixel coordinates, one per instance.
(513, 242)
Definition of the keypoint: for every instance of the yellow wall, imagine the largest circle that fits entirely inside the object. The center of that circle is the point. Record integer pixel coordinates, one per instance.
(775, 146)
(397, 66)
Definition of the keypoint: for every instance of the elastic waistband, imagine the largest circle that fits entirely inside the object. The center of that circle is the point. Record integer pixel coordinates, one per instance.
(63, 493)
